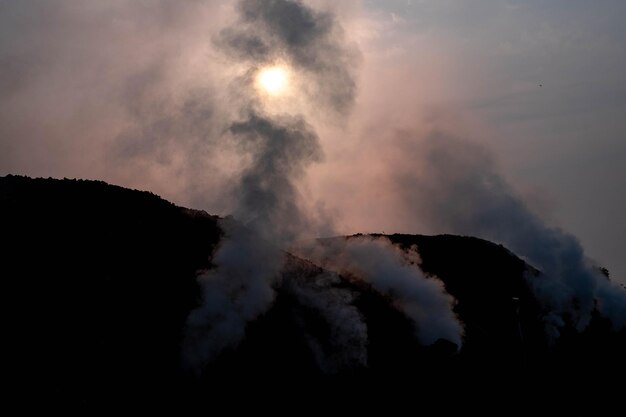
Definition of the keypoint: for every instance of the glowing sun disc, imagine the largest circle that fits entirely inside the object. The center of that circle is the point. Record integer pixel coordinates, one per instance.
(273, 80)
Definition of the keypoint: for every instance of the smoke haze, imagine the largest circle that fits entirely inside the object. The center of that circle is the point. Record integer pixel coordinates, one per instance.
(376, 134)
(460, 191)
(346, 348)
(278, 150)
(394, 273)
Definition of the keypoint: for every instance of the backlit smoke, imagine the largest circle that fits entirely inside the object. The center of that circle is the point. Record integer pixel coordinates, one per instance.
(134, 93)
(343, 346)
(278, 149)
(309, 41)
(237, 291)
(395, 273)
(461, 191)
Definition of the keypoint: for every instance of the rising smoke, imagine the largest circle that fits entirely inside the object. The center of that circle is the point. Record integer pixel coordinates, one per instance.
(395, 273)
(248, 263)
(343, 345)
(311, 42)
(279, 147)
(142, 83)
(461, 191)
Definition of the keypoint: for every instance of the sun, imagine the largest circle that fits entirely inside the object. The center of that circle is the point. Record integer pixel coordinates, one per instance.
(273, 80)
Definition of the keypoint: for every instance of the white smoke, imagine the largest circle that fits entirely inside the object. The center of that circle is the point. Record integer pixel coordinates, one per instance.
(461, 191)
(345, 347)
(395, 273)
(278, 148)
(143, 84)
(237, 291)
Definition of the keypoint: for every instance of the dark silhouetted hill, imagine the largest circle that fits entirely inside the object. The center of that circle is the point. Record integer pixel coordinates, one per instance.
(98, 281)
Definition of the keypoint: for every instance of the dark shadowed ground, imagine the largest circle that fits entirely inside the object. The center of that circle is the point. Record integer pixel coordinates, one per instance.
(98, 282)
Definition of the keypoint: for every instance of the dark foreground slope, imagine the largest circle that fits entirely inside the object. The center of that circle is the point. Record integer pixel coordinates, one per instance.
(99, 280)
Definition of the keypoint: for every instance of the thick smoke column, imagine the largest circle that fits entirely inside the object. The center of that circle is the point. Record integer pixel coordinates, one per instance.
(238, 290)
(279, 148)
(462, 192)
(249, 262)
(268, 199)
(395, 272)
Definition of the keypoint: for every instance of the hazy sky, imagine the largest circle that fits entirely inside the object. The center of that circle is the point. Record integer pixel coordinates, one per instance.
(547, 83)
(135, 92)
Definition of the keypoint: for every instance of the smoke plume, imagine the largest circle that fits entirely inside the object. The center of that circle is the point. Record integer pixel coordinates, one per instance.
(460, 191)
(161, 96)
(278, 149)
(238, 290)
(344, 345)
(309, 41)
(395, 273)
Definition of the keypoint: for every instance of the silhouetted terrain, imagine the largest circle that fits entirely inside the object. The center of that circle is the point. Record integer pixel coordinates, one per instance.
(98, 281)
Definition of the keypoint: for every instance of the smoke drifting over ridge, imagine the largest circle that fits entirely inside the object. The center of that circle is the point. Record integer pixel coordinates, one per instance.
(165, 122)
(346, 348)
(279, 147)
(462, 192)
(395, 273)
(249, 261)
